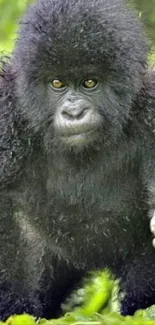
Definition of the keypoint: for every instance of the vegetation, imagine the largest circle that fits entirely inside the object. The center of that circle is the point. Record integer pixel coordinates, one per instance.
(10, 12)
(99, 305)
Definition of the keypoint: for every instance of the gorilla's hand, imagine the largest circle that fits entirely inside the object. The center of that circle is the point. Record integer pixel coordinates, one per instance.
(152, 225)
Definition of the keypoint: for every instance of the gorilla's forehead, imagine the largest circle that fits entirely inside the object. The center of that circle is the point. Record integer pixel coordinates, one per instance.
(76, 58)
(75, 72)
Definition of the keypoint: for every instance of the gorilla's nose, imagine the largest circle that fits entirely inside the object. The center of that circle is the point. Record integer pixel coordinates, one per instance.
(74, 112)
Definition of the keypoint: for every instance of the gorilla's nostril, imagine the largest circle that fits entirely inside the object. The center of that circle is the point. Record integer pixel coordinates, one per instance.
(74, 113)
(81, 114)
(67, 115)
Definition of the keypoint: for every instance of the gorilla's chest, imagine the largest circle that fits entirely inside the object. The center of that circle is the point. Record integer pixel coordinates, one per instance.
(101, 190)
(96, 210)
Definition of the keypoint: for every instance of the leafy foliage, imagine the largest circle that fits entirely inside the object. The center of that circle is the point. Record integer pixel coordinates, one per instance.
(100, 300)
(10, 12)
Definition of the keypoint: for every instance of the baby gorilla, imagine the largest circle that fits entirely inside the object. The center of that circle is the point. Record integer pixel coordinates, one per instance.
(77, 164)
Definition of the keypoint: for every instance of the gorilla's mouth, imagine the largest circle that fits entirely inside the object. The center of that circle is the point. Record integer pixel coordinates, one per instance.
(79, 137)
(79, 133)
(75, 130)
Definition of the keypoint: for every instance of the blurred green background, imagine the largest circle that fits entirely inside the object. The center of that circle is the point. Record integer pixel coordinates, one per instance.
(11, 10)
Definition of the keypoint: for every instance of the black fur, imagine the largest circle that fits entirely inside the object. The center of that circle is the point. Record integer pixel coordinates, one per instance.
(68, 208)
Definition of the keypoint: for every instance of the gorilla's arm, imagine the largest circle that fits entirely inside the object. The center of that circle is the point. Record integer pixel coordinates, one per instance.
(146, 117)
(13, 149)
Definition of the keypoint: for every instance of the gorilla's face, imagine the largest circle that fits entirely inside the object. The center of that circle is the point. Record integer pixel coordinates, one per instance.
(76, 118)
(76, 111)
(85, 110)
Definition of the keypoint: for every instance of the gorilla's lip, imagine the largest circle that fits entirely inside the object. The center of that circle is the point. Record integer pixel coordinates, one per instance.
(78, 134)
(79, 139)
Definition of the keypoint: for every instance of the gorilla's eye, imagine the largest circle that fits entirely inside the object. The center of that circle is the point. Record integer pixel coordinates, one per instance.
(58, 84)
(90, 83)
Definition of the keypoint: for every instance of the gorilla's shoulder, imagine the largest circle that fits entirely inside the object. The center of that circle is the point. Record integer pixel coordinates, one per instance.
(148, 89)
(13, 139)
(144, 106)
